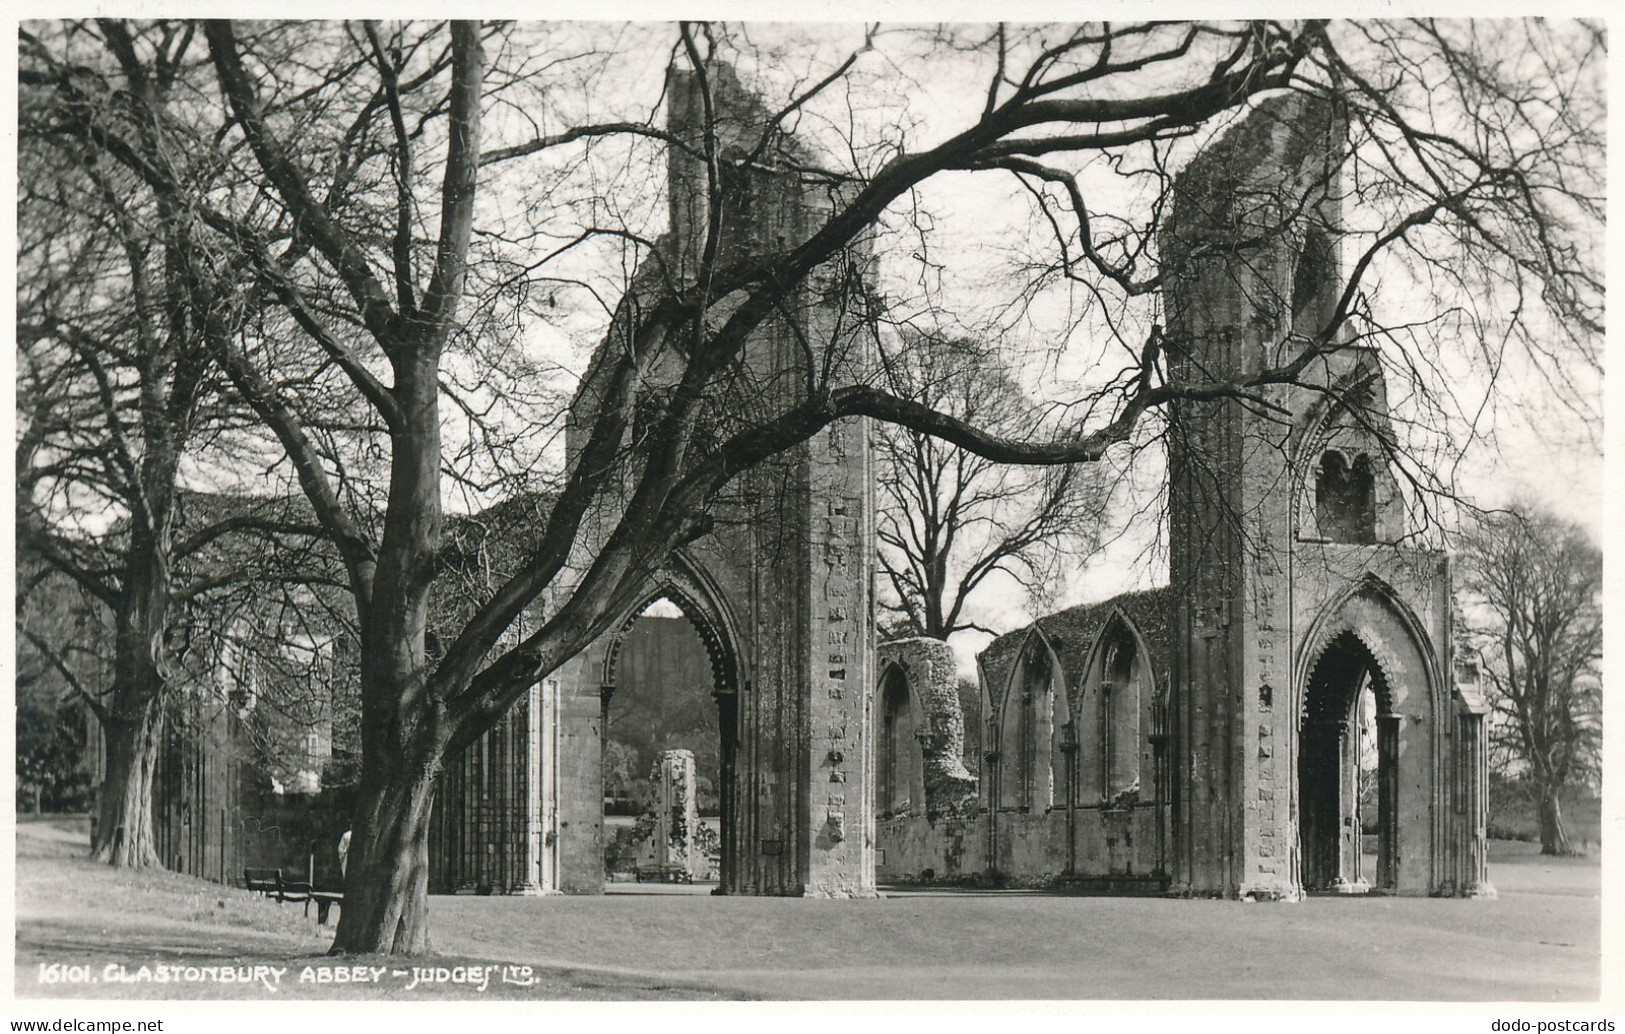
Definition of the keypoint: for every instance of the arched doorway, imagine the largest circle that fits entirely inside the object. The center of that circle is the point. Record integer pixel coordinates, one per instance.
(1348, 757)
(670, 682)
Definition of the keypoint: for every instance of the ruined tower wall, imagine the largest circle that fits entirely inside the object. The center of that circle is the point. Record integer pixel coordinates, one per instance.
(1288, 534)
(1242, 210)
(1263, 571)
(784, 579)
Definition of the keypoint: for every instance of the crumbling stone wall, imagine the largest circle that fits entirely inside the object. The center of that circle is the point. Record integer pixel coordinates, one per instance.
(1071, 834)
(1252, 274)
(928, 665)
(783, 578)
(1256, 589)
(673, 845)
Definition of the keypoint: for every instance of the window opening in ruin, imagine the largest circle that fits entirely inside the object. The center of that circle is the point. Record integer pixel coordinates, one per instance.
(1312, 281)
(1028, 698)
(1348, 773)
(1345, 498)
(1119, 717)
(897, 749)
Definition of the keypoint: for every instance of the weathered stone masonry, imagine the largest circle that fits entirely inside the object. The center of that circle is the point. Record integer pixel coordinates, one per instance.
(780, 591)
(1204, 738)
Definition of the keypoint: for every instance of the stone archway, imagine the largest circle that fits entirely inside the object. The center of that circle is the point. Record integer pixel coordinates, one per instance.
(1331, 820)
(918, 686)
(1368, 644)
(899, 775)
(786, 557)
(686, 588)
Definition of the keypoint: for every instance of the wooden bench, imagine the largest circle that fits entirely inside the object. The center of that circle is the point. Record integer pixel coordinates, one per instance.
(325, 900)
(299, 890)
(271, 883)
(292, 890)
(265, 881)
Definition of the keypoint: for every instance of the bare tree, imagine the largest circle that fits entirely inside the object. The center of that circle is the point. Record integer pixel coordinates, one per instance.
(422, 189)
(61, 659)
(118, 387)
(950, 520)
(1535, 588)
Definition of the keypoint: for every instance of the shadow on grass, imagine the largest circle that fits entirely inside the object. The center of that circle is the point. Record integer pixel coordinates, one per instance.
(88, 931)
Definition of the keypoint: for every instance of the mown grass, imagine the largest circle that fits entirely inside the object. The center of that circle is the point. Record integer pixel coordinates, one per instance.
(1540, 941)
(122, 925)
(1513, 816)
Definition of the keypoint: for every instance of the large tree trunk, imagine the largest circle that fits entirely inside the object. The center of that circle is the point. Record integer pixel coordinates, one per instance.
(124, 831)
(386, 886)
(133, 721)
(1554, 840)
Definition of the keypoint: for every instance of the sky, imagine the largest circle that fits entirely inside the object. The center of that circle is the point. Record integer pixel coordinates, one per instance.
(980, 224)
(1534, 449)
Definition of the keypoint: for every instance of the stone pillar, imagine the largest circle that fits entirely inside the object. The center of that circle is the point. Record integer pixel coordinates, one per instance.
(1473, 742)
(1159, 768)
(540, 834)
(580, 779)
(1388, 802)
(991, 795)
(676, 815)
(727, 792)
(1349, 879)
(788, 568)
(1242, 210)
(837, 818)
(1069, 750)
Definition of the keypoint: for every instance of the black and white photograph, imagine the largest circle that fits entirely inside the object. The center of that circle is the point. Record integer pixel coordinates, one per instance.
(831, 506)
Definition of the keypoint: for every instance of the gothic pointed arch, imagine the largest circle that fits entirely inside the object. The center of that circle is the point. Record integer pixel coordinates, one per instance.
(1359, 388)
(1033, 721)
(1337, 617)
(899, 778)
(685, 584)
(1381, 767)
(1117, 713)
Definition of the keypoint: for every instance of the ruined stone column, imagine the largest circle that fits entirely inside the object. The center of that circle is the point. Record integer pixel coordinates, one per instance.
(539, 846)
(837, 809)
(1350, 837)
(1243, 215)
(1475, 882)
(676, 815)
(785, 574)
(1387, 802)
(579, 777)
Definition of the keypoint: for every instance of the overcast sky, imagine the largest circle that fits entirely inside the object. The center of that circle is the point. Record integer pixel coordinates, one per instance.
(1536, 448)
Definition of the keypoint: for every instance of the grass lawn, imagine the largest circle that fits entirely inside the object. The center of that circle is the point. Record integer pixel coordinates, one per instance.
(73, 913)
(1539, 942)
(1513, 815)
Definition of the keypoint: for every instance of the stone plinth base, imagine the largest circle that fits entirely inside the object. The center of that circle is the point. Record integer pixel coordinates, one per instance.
(531, 890)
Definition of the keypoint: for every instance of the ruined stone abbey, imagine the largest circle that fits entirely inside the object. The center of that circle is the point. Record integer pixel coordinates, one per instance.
(1205, 738)
(1284, 709)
